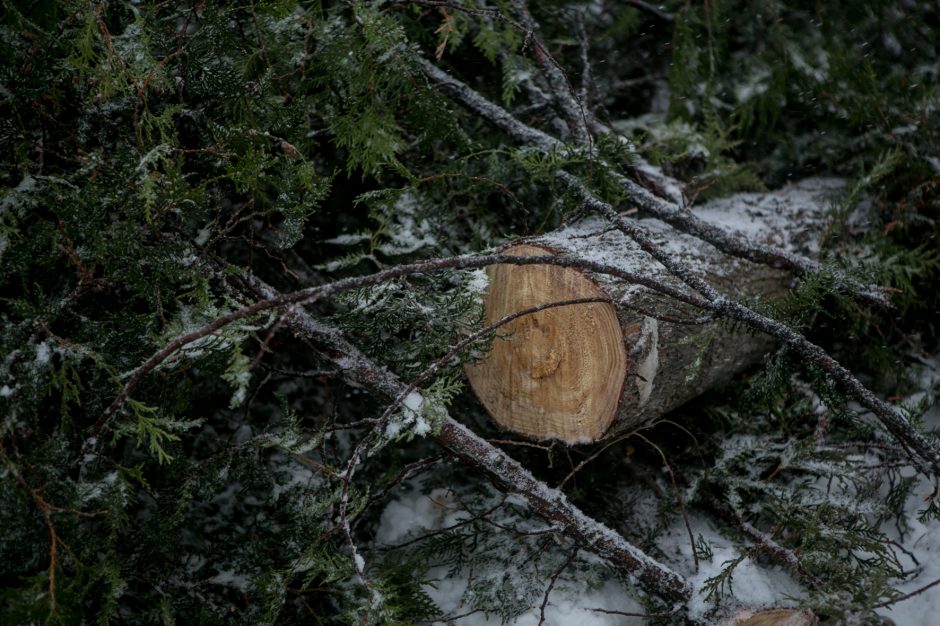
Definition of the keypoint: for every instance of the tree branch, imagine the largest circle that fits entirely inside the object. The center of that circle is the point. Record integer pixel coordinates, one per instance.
(925, 454)
(668, 212)
(312, 294)
(571, 108)
(553, 505)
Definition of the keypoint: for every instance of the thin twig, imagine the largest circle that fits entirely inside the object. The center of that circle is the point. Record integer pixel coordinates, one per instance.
(593, 456)
(548, 503)
(551, 584)
(46, 511)
(682, 220)
(671, 613)
(312, 294)
(907, 596)
(446, 529)
(675, 487)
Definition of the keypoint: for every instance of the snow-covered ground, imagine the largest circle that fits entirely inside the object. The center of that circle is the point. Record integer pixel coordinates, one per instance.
(576, 602)
(571, 601)
(923, 542)
(923, 539)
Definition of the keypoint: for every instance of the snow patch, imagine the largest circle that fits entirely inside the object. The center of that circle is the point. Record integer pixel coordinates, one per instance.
(296, 476)
(756, 85)
(818, 69)
(408, 234)
(89, 491)
(767, 218)
(412, 414)
(571, 602)
(753, 586)
(479, 281)
(348, 239)
(43, 353)
(10, 199)
(922, 540)
(229, 578)
(668, 186)
(416, 512)
(202, 237)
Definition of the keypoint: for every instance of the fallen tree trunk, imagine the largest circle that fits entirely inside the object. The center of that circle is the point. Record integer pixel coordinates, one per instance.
(583, 372)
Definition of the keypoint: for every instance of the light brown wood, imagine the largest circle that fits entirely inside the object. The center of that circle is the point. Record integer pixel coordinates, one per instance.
(775, 617)
(556, 374)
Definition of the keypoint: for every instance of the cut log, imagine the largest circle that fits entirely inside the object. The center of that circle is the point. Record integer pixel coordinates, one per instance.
(583, 372)
(775, 617)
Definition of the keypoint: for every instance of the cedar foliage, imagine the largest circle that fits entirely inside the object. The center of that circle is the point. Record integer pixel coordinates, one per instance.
(144, 145)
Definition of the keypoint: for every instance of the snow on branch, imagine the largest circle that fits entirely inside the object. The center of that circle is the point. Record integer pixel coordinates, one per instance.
(683, 220)
(923, 452)
(553, 505)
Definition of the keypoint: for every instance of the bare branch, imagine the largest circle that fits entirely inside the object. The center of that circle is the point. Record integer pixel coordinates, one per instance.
(907, 596)
(683, 220)
(312, 294)
(494, 113)
(925, 454)
(587, 75)
(555, 507)
(572, 109)
(551, 584)
(548, 503)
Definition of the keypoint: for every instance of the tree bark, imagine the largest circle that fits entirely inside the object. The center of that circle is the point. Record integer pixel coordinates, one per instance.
(584, 372)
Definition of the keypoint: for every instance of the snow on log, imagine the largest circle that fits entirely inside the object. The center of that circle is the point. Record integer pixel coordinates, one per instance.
(583, 372)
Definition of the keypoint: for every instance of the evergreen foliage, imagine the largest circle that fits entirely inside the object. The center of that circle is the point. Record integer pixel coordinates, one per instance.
(149, 150)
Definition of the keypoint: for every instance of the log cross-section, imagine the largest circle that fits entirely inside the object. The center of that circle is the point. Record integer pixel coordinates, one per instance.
(556, 374)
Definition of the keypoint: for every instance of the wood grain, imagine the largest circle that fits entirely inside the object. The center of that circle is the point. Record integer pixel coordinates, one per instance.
(775, 617)
(556, 374)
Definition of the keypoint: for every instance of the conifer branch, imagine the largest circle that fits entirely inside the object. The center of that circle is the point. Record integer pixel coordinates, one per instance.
(310, 143)
(925, 455)
(668, 212)
(766, 542)
(548, 503)
(312, 294)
